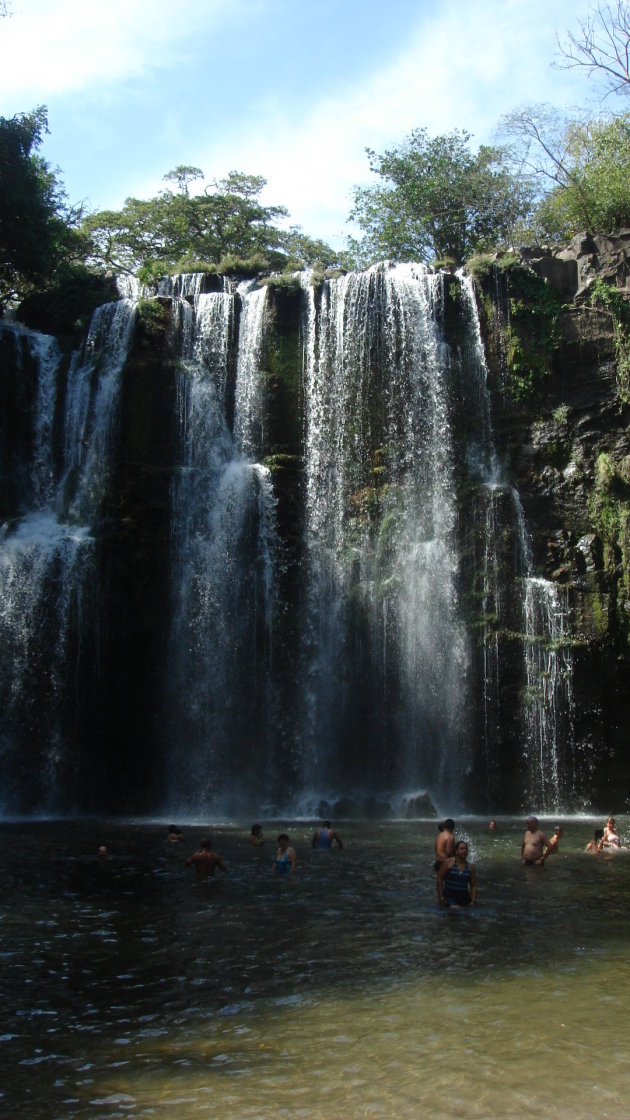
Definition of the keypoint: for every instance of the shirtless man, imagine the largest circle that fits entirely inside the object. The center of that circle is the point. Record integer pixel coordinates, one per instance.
(444, 844)
(323, 838)
(534, 844)
(205, 861)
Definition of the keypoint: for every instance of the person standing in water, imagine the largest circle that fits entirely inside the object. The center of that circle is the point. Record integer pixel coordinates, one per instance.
(205, 861)
(611, 838)
(444, 843)
(324, 837)
(256, 837)
(284, 863)
(457, 879)
(534, 843)
(554, 842)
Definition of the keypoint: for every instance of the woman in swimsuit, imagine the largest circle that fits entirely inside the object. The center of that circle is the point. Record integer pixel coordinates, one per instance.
(611, 836)
(284, 863)
(457, 879)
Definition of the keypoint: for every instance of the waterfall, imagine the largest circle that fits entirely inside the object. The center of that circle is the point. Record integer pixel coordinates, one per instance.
(225, 558)
(547, 708)
(249, 416)
(549, 697)
(341, 602)
(91, 406)
(385, 637)
(47, 571)
(547, 660)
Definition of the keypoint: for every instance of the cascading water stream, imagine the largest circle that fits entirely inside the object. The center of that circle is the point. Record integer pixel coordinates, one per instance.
(383, 611)
(548, 698)
(46, 555)
(225, 557)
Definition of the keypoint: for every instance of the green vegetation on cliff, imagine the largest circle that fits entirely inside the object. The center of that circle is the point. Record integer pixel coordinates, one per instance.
(609, 508)
(38, 237)
(617, 304)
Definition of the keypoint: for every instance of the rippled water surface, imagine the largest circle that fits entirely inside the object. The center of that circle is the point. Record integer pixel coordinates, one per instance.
(130, 991)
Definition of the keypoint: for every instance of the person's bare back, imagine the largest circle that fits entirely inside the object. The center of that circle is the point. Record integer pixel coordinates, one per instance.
(205, 861)
(445, 842)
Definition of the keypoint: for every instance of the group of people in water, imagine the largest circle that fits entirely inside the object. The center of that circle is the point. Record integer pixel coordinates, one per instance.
(456, 877)
(205, 861)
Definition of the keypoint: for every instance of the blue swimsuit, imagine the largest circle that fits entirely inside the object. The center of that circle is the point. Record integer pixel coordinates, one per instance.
(456, 886)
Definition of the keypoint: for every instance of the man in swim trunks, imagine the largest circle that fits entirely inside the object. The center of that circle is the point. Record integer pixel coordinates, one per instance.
(205, 861)
(535, 846)
(324, 837)
(444, 843)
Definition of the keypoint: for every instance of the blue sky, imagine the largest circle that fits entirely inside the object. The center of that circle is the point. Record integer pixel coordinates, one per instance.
(294, 90)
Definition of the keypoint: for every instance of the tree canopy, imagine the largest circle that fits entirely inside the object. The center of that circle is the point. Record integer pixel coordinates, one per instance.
(37, 231)
(583, 167)
(178, 229)
(437, 200)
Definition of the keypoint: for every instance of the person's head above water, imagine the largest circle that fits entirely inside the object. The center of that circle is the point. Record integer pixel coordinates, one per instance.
(449, 824)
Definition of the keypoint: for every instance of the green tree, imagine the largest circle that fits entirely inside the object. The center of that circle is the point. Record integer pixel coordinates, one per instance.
(438, 200)
(582, 167)
(37, 234)
(160, 234)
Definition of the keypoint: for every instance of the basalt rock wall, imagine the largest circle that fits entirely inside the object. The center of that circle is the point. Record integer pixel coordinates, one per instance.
(566, 444)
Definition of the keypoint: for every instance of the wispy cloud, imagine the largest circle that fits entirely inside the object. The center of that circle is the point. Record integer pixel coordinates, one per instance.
(50, 47)
(463, 67)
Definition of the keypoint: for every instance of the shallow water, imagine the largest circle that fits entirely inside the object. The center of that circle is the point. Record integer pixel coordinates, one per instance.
(130, 991)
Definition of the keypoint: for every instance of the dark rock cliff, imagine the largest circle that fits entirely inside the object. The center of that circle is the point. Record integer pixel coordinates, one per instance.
(561, 426)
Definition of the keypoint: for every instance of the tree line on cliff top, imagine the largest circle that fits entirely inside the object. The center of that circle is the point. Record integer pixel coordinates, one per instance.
(435, 199)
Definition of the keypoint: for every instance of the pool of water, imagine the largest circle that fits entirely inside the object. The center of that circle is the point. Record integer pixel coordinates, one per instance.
(128, 990)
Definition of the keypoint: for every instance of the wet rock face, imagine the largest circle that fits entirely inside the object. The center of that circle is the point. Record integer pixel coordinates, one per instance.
(567, 448)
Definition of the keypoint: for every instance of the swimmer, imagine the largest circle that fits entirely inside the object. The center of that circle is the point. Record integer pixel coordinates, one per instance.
(444, 843)
(324, 837)
(284, 863)
(611, 836)
(552, 846)
(174, 834)
(256, 837)
(457, 879)
(534, 842)
(205, 861)
(595, 845)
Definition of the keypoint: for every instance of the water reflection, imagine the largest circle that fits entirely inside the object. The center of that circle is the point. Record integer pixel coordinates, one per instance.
(129, 990)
